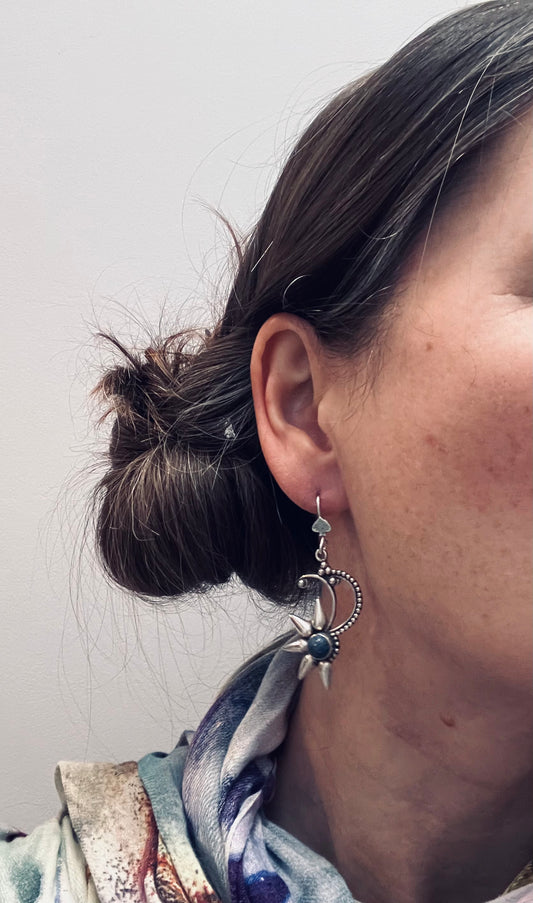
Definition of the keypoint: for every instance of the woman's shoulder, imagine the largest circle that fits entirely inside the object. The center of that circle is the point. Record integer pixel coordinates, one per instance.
(93, 850)
(103, 847)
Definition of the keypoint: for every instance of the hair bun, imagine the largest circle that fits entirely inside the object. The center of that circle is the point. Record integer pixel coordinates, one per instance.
(144, 393)
(177, 511)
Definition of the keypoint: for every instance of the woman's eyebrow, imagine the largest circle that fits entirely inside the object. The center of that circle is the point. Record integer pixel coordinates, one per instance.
(511, 264)
(515, 270)
(521, 261)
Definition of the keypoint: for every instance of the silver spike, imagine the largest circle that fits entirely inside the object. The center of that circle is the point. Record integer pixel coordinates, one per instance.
(297, 645)
(325, 673)
(305, 666)
(303, 627)
(319, 618)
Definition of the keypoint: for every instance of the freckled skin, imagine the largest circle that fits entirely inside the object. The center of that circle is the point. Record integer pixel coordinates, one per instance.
(437, 461)
(419, 758)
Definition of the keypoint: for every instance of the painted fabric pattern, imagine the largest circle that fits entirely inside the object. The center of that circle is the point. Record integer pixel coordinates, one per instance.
(187, 827)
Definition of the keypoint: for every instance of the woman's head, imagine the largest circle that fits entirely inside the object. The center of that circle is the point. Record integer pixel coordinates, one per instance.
(189, 498)
(425, 465)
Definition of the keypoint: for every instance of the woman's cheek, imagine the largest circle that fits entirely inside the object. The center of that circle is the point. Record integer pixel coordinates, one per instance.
(494, 447)
(470, 409)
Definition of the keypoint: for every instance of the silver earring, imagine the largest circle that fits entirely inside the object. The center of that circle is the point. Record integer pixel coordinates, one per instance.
(317, 639)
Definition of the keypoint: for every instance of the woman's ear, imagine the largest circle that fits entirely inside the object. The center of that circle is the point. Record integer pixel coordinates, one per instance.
(290, 377)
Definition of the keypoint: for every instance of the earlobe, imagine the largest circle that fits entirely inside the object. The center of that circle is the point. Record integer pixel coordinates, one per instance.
(288, 381)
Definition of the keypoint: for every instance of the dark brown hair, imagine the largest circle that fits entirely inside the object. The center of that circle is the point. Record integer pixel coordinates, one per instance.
(188, 499)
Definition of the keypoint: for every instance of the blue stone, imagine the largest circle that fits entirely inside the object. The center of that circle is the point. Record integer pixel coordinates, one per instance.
(320, 646)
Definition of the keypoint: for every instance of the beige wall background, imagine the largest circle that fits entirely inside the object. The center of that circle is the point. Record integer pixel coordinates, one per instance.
(121, 122)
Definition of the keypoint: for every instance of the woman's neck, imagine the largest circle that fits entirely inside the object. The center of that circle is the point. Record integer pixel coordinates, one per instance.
(415, 781)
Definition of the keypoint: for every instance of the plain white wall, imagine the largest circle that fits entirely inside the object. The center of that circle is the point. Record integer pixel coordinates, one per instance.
(120, 121)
